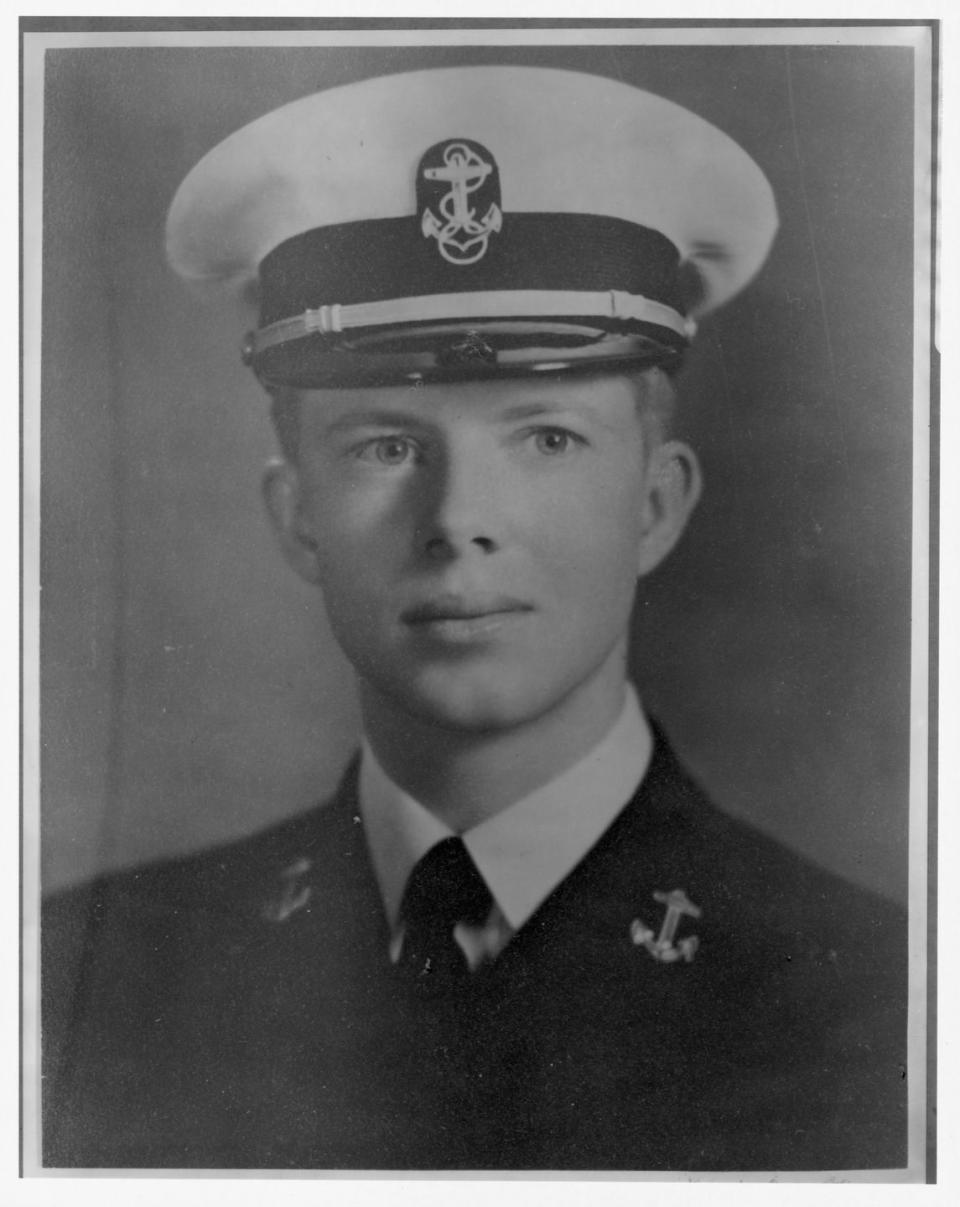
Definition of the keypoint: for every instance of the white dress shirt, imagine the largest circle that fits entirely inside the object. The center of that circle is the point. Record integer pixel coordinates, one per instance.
(524, 851)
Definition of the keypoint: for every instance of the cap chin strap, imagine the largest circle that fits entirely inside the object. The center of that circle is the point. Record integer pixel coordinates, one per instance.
(447, 307)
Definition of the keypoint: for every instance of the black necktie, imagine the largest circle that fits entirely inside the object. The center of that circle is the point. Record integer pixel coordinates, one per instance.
(444, 888)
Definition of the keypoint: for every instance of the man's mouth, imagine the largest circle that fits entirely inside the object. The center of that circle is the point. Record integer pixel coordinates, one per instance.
(463, 618)
(462, 607)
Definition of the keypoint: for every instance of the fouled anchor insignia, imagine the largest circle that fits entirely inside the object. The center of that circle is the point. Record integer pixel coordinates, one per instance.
(466, 174)
(662, 946)
(292, 894)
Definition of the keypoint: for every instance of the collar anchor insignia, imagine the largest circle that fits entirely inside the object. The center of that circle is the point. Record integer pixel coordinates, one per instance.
(292, 894)
(662, 946)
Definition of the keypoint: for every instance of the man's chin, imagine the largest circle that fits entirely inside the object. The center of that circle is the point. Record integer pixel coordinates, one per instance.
(479, 710)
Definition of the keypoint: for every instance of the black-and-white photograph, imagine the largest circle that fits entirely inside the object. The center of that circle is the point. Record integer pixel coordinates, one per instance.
(479, 576)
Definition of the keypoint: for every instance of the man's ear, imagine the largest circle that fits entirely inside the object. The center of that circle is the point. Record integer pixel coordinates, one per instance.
(673, 488)
(281, 494)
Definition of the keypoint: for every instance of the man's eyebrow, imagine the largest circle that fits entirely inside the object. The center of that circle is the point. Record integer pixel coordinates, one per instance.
(557, 409)
(531, 410)
(352, 420)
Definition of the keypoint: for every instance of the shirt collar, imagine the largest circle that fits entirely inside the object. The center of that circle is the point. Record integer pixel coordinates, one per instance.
(524, 851)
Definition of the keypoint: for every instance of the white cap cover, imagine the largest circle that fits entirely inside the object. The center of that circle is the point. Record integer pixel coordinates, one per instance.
(473, 220)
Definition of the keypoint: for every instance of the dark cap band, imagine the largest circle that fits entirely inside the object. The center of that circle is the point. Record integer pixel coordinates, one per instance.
(593, 288)
(389, 258)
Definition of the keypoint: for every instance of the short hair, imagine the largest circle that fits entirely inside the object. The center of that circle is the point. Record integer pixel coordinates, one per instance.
(653, 387)
(285, 415)
(655, 394)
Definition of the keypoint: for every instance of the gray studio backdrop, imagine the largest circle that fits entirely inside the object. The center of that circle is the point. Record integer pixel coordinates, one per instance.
(190, 689)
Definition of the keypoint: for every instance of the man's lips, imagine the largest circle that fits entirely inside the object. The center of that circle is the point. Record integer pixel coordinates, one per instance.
(441, 608)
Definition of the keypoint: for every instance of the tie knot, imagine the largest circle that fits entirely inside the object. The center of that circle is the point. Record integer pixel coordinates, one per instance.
(445, 888)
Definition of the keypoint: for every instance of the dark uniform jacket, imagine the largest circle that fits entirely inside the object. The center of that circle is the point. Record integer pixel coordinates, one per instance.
(238, 1009)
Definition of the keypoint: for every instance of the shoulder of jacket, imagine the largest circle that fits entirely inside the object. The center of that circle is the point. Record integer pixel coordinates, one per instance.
(233, 878)
(757, 886)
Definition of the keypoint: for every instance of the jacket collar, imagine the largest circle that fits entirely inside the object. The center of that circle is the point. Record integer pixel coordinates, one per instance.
(525, 851)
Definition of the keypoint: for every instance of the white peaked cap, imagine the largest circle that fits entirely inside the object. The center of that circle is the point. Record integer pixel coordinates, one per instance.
(589, 206)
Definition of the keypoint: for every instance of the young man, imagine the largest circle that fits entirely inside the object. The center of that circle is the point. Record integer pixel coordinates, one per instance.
(520, 936)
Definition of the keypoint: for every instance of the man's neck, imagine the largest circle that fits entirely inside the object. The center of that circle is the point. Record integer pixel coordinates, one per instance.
(464, 777)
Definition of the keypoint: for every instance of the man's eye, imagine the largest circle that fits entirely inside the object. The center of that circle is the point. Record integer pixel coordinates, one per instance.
(553, 441)
(388, 450)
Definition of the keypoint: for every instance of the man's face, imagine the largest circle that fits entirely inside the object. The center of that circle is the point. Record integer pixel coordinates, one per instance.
(477, 544)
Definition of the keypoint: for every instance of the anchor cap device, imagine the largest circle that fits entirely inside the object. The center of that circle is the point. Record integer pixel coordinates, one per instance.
(470, 221)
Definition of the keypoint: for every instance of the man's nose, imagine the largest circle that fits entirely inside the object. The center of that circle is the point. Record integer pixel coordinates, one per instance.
(463, 505)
